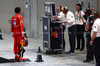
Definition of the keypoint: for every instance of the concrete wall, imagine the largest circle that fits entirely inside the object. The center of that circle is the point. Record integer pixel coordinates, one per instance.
(30, 18)
(6, 13)
(29, 14)
(98, 5)
(71, 4)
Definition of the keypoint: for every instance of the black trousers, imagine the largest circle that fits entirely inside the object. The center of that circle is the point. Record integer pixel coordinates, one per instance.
(89, 47)
(63, 37)
(96, 49)
(72, 34)
(80, 36)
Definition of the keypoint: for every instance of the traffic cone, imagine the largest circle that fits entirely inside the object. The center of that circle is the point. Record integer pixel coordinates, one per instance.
(39, 56)
(0, 34)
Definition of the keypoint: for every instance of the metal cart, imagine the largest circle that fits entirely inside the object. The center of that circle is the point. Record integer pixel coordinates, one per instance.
(50, 43)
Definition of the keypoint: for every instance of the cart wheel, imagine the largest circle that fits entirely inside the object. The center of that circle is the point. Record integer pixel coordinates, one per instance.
(59, 52)
(56, 52)
(47, 51)
(51, 52)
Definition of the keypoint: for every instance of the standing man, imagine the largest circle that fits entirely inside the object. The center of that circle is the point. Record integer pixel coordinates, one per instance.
(80, 27)
(70, 23)
(60, 16)
(17, 31)
(95, 40)
(89, 23)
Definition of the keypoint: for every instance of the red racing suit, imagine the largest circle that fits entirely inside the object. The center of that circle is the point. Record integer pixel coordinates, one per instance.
(17, 29)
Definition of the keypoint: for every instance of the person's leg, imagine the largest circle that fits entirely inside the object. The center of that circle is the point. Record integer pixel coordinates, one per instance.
(78, 42)
(18, 45)
(82, 41)
(72, 34)
(89, 50)
(89, 55)
(82, 37)
(96, 48)
(15, 44)
(73, 38)
(78, 37)
(72, 42)
(97, 57)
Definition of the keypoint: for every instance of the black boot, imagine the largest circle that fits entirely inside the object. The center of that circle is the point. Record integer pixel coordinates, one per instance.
(87, 60)
(81, 49)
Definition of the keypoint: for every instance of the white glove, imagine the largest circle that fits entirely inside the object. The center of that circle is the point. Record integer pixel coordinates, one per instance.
(11, 33)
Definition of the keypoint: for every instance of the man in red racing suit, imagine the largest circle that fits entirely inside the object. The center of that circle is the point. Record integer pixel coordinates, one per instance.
(17, 31)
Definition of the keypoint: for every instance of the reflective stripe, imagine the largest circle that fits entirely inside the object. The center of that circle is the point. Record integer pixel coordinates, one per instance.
(23, 32)
(39, 53)
(0, 33)
(19, 32)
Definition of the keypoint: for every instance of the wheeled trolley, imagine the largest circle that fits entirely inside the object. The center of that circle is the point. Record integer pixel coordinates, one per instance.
(52, 35)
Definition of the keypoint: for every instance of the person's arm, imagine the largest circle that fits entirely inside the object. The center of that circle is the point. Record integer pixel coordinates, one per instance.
(84, 19)
(70, 18)
(56, 18)
(21, 26)
(59, 17)
(93, 37)
(95, 29)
